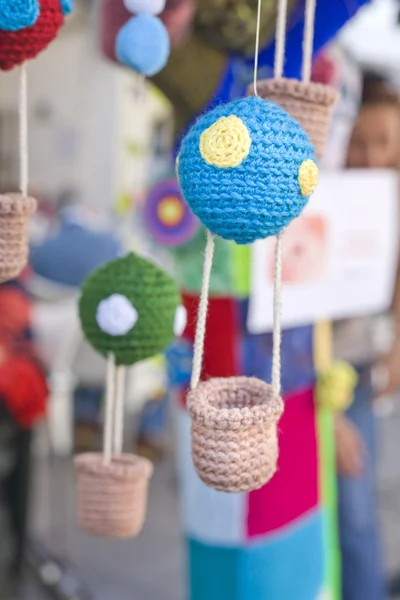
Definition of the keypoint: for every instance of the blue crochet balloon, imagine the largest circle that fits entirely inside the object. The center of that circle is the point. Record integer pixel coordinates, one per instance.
(247, 169)
(143, 44)
(18, 14)
(67, 6)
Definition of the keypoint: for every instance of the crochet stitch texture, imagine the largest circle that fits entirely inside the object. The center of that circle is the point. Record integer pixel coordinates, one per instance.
(18, 46)
(17, 14)
(262, 194)
(153, 294)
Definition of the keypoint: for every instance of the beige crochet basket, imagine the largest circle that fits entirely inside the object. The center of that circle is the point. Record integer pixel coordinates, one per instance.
(311, 104)
(112, 499)
(14, 220)
(234, 432)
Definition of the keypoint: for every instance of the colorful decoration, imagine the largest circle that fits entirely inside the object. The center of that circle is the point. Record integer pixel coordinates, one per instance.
(335, 387)
(167, 217)
(27, 28)
(128, 307)
(128, 310)
(241, 168)
(143, 45)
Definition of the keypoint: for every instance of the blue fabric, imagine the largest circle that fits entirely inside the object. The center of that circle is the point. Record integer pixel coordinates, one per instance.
(67, 6)
(264, 566)
(296, 355)
(362, 570)
(179, 356)
(259, 571)
(72, 254)
(260, 196)
(18, 14)
(143, 44)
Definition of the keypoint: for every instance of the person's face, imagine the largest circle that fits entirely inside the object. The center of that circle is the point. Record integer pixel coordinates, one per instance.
(375, 141)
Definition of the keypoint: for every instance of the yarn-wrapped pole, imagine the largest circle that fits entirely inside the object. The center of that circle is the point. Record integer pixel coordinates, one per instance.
(23, 131)
(109, 410)
(119, 410)
(308, 40)
(202, 314)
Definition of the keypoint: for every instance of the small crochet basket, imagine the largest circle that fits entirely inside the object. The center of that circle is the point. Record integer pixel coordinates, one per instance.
(112, 499)
(14, 220)
(311, 104)
(234, 432)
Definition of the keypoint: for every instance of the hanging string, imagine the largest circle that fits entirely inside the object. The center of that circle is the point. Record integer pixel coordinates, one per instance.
(308, 40)
(277, 331)
(119, 410)
(109, 410)
(257, 49)
(280, 39)
(23, 131)
(202, 314)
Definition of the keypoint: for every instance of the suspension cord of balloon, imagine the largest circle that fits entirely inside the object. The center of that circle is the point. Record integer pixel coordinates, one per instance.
(23, 131)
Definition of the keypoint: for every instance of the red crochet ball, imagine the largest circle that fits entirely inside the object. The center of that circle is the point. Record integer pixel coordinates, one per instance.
(18, 46)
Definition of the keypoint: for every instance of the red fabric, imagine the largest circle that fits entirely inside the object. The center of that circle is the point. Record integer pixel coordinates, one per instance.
(18, 46)
(293, 491)
(221, 347)
(24, 390)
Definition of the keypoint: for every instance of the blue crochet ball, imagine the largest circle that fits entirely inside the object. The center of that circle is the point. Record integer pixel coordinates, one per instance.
(18, 14)
(247, 169)
(143, 44)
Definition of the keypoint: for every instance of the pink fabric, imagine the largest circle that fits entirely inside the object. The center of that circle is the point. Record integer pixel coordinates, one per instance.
(294, 490)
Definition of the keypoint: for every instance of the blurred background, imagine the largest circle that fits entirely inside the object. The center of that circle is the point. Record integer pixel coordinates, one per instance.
(100, 138)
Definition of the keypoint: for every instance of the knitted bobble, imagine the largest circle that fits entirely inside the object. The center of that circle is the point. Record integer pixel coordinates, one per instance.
(152, 7)
(247, 169)
(335, 387)
(67, 6)
(17, 46)
(180, 321)
(17, 14)
(143, 45)
(128, 307)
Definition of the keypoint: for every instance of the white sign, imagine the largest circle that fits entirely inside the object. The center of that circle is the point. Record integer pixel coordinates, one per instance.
(339, 256)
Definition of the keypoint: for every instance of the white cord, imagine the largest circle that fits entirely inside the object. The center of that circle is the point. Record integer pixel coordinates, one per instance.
(308, 40)
(202, 314)
(280, 39)
(23, 131)
(119, 410)
(109, 409)
(257, 49)
(277, 331)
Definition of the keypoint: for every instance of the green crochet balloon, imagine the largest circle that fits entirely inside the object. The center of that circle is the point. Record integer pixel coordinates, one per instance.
(128, 307)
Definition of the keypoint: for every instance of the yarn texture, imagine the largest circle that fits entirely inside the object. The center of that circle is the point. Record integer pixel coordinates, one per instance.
(17, 14)
(112, 499)
(234, 432)
(311, 104)
(18, 46)
(335, 387)
(143, 45)
(152, 293)
(244, 188)
(67, 6)
(14, 215)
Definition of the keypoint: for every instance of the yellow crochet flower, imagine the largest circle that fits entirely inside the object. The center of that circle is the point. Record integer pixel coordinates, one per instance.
(308, 177)
(226, 143)
(335, 387)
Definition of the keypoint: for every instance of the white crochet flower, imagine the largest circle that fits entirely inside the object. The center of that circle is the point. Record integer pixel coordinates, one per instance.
(116, 315)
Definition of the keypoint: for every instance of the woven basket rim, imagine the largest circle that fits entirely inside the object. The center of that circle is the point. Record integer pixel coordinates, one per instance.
(204, 412)
(310, 92)
(16, 204)
(122, 468)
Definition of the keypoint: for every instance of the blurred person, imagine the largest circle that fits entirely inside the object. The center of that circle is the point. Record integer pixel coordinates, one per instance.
(23, 397)
(374, 143)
